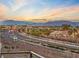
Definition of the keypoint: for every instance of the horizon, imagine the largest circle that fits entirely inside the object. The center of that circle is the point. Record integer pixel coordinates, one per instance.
(50, 23)
(40, 22)
(39, 10)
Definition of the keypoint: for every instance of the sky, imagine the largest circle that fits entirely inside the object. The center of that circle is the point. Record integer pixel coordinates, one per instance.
(39, 10)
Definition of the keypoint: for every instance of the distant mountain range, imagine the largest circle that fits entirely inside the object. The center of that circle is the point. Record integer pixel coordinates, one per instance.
(51, 23)
(59, 23)
(12, 22)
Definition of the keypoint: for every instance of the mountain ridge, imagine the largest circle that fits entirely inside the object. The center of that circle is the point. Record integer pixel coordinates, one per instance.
(50, 23)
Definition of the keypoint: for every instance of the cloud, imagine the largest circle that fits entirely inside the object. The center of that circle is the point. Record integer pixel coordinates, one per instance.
(28, 10)
(50, 14)
(3, 9)
(18, 4)
(62, 13)
(3, 12)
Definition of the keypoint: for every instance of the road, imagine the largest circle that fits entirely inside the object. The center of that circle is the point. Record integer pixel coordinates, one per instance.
(27, 43)
(53, 41)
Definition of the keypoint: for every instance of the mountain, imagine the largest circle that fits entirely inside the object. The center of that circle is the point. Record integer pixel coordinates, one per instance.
(50, 23)
(59, 23)
(12, 22)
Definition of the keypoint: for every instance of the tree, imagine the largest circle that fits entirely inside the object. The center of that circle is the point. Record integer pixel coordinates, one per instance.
(66, 27)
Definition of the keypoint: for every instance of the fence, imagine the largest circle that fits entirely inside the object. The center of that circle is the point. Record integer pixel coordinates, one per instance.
(20, 54)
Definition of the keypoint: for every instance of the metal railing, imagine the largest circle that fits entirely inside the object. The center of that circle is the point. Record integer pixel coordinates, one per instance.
(20, 54)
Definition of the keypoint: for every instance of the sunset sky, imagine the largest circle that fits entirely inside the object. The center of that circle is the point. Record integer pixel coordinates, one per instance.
(39, 10)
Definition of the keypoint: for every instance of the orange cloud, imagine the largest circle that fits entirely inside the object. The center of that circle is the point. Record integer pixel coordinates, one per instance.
(3, 12)
(62, 13)
(3, 9)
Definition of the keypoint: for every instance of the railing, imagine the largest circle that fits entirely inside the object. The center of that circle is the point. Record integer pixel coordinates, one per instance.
(20, 54)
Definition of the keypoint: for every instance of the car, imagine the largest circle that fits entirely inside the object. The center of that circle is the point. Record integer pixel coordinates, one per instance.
(15, 38)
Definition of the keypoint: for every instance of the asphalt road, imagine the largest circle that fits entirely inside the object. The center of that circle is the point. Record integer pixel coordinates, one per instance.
(38, 48)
